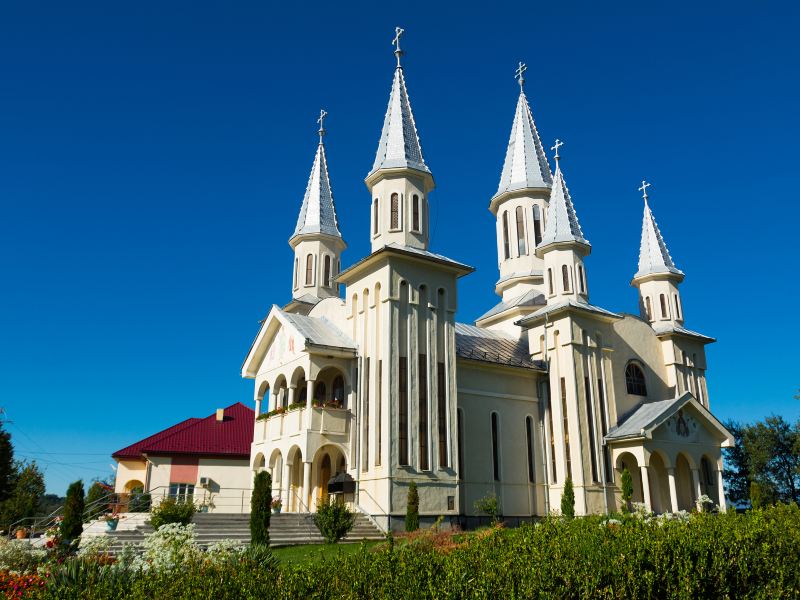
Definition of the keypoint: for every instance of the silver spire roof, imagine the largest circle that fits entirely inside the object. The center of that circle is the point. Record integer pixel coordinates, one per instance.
(399, 144)
(526, 163)
(653, 254)
(562, 221)
(318, 213)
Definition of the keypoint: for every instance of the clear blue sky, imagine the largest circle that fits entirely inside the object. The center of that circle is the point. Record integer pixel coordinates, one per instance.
(153, 157)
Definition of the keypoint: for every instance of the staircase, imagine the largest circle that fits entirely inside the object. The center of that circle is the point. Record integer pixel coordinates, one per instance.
(285, 529)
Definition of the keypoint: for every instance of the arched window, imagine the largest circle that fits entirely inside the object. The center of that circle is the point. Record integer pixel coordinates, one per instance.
(309, 269)
(708, 481)
(319, 392)
(529, 433)
(522, 247)
(394, 222)
(677, 306)
(295, 273)
(565, 277)
(495, 449)
(375, 217)
(327, 271)
(634, 380)
(581, 279)
(505, 234)
(338, 390)
(537, 225)
(550, 280)
(648, 309)
(415, 210)
(664, 311)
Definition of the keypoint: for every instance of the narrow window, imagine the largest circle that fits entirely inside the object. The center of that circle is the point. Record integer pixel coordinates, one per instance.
(565, 425)
(505, 235)
(460, 425)
(327, 271)
(295, 273)
(537, 225)
(677, 307)
(590, 419)
(394, 222)
(378, 411)
(402, 434)
(546, 391)
(375, 217)
(365, 419)
(581, 280)
(601, 395)
(338, 390)
(495, 450)
(648, 308)
(415, 219)
(441, 397)
(309, 270)
(550, 280)
(423, 413)
(522, 247)
(565, 277)
(634, 380)
(529, 432)
(664, 313)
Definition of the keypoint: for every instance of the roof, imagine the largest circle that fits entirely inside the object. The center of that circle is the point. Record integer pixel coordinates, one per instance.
(567, 304)
(520, 274)
(529, 298)
(399, 145)
(230, 437)
(562, 221)
(526, 164)
(318, 213)
(409, 251)
(319, 331)
(475, 343)
(653, 254)
(671, 328)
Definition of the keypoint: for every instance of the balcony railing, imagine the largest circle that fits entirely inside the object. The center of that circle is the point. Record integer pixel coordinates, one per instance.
(326, 421)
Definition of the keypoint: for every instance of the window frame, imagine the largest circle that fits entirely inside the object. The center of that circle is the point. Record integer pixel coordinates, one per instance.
(416, 214)
(395, 212)
(522, 240)
(309, 278)
(635, 385)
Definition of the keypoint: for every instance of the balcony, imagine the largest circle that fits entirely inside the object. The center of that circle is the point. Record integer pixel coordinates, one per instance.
(325, 421)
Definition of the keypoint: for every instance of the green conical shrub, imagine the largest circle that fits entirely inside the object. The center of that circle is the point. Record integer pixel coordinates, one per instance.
(260, 507)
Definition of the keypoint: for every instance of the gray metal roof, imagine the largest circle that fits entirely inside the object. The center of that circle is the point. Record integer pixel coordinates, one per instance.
(653, 254)
(516, 274)
(562, 221)
(568, 303)
(318, 213)
(427, 254)
(319, 331)
(475, 343)
(670, 328)
(529, 298)
(399, 145)
(644, 417)
(526, 163)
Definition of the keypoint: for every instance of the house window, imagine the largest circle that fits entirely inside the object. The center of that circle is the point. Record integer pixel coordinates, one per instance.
(587, 382)
(581, 279)
(664, 311)
(424, 463)
(565, 277)
(441, 397)
(537, 225)
(677, 306)
(415, 216)
(375, 217)
(182, 492)
(402, 434)
(309, 269)
(495, 449)
(565, 425)
(648, 308)
(634, 380)
(327, 271)
(522, 248)
(550, 280)
(529, 432)
(505, 235)
(394, 222)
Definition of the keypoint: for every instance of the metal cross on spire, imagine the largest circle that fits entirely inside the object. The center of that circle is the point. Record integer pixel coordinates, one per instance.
(519, 75)
(398, 31)
(643, 189)
(556, 146)
(322, 114)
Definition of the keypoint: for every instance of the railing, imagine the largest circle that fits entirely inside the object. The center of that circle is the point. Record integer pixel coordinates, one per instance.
(225, 500)
(324, 420)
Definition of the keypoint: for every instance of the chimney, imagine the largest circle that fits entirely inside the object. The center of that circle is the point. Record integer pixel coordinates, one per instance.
(220, 415)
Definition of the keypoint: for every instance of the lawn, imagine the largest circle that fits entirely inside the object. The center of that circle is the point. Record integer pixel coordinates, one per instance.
(310, 553)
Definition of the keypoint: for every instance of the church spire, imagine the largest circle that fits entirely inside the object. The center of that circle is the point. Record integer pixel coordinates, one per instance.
(318, 213)
(526, 164)
(562, 221)
(399, 145)
(653, 254)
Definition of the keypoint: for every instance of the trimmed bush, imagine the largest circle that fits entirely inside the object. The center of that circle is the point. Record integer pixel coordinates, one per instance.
(412, 508)
(489, 505)
(334, 520)
(94, 504)
(171, 510)
(260, 506)
(627, 489)
(72, 525)
(568, 500)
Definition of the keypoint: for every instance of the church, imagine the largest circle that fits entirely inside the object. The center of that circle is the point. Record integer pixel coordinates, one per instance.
(366, 376)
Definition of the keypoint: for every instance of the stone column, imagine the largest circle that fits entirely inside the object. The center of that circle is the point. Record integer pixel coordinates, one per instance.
(646, 488)
(309, 399)
(287, 469)
(306, 486)
(673, 491)
(292, 394)
(721, 492)
(275, 399)
(258, 406)
(696, 483)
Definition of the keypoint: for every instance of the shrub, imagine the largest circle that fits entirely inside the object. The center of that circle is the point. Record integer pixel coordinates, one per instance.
(171, 510)
(334, 520)
(489, 505)
(568, 500)
(412, 508)
(140, 502)
(627, 489)
(95, 506)
(260, 505)
(170, 546)
(19, 556)
(72, 524)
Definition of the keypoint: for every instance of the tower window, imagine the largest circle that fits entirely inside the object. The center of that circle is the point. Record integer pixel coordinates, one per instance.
(375, 215)
(394, 222)
(327, 271)
(415, 216)
(495, 449)
(581, 279)
(529, 432)
(634, 380)
(565, 426)
(664, 310)
(522, 247)
(565, 277)
(505, 235)
(648, 309)
(537, 225)
(550, 280)
(295, 273)
(309, 269)
(677, 306)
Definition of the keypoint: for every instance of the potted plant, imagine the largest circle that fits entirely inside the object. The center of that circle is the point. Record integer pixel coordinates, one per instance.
(112, 520)
(276, 505)
(21, 532)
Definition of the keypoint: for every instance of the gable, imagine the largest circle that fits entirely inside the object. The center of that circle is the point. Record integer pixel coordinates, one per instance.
(686, 425)
(277, 341)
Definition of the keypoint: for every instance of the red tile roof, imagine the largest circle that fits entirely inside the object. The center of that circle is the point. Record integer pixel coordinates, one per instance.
(231, 437)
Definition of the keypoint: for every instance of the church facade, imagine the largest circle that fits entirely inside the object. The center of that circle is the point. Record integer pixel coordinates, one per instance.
(366, 373)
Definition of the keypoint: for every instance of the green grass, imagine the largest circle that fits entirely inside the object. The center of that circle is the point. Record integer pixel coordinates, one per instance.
(310, 553)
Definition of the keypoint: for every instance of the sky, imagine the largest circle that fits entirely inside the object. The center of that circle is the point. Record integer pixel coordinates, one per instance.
(154, 156)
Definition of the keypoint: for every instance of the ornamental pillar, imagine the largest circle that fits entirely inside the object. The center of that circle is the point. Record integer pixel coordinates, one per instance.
(287, 469)
(309, 399)
(696, 484)
(646, 488)
(723, 505)
(673, 491)
(292, 394)
(306, 486)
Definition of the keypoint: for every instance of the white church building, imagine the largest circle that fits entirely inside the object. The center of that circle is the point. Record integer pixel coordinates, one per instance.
(366, 371)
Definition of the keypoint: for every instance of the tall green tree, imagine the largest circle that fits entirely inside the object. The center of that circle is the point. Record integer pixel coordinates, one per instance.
(28, 490)
(412, 508)
(737, 469)
(8, 469)
(96, 501)
(568, 500)
(260, 506)
(72, 525)
(627, 489)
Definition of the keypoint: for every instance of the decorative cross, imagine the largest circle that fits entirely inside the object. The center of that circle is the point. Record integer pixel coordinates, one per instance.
(643, 189)
(322, 114)
(556, 146)
(398, 31)
(520, 70)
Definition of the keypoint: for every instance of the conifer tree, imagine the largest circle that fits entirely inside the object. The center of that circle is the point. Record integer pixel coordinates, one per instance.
(7, 468)
(412, 508)
(260, 506)
(568, 500)
(627, 489)
(72, 525)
